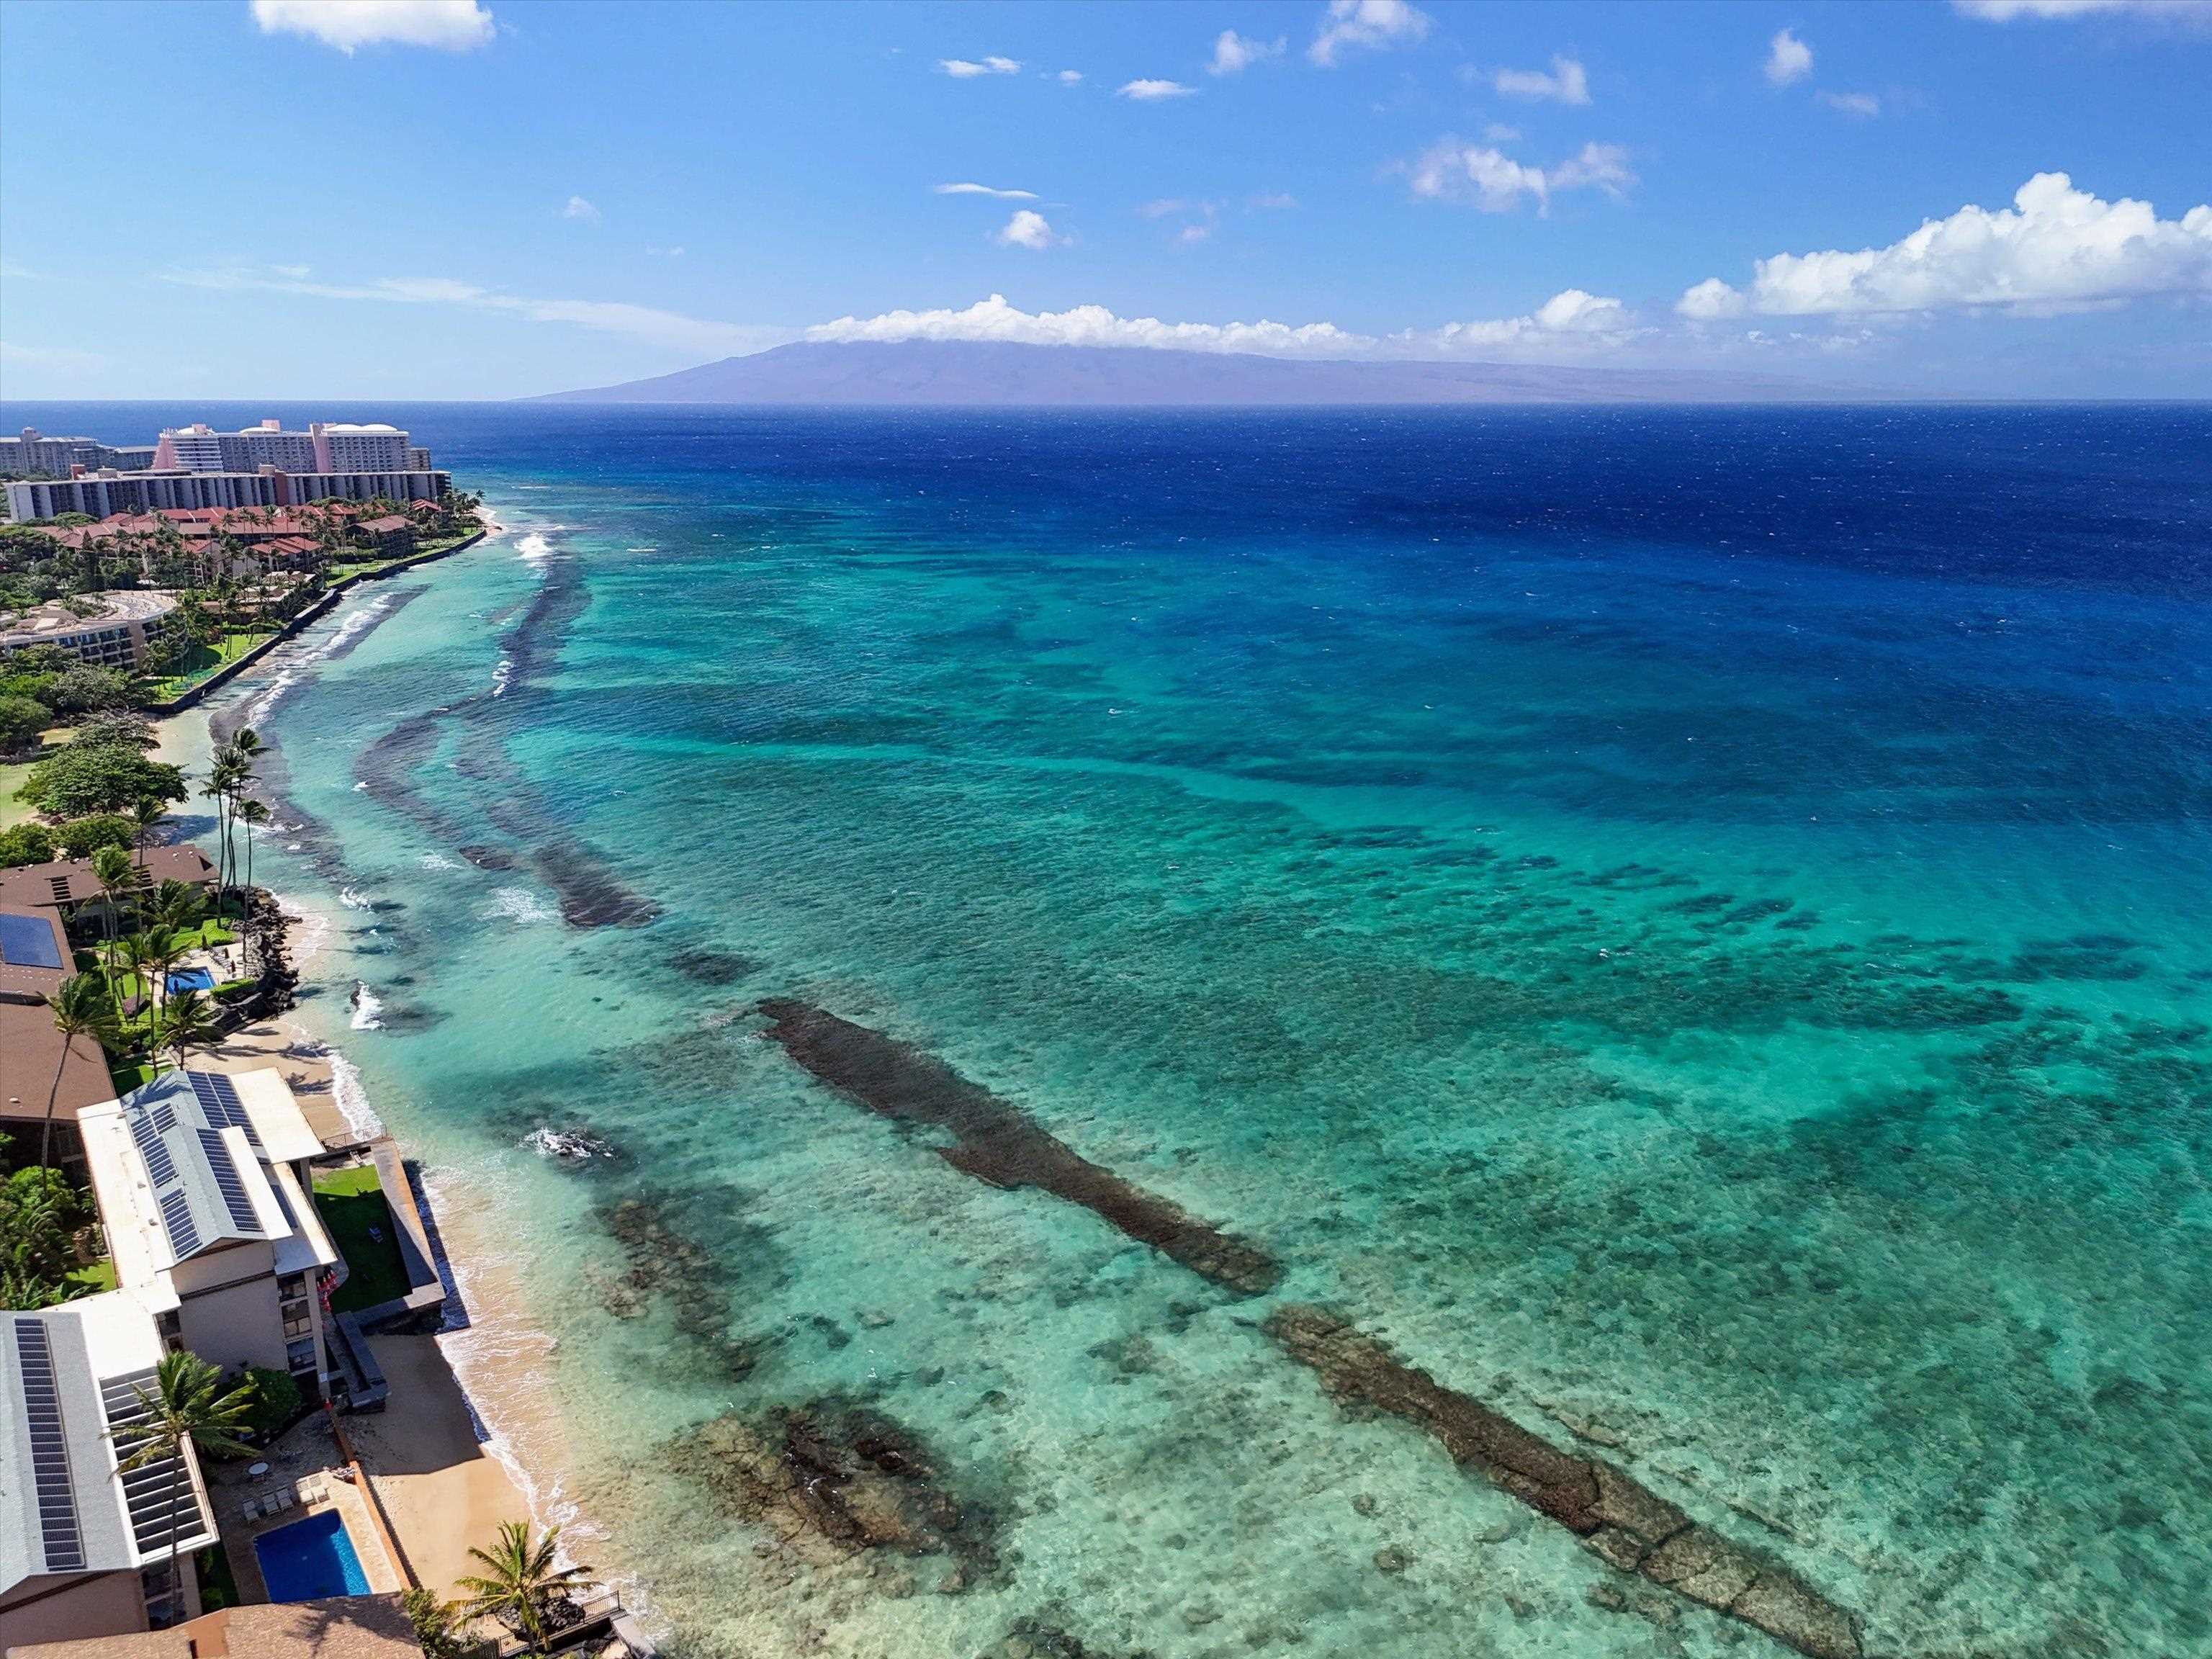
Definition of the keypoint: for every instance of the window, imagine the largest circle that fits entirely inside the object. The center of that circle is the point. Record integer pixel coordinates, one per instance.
(299, 1356)
(298, 1319)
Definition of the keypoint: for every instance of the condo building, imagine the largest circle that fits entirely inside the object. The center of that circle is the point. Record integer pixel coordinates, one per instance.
(324, 447)
(102, 494)
(85, 1545)
(203, 1190)
(109, 630)
(33, 452)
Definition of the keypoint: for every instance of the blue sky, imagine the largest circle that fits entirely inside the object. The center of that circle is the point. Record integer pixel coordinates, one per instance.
(504, 196)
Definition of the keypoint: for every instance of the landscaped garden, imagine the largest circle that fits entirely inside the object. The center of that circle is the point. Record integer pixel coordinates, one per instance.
(352, 1205)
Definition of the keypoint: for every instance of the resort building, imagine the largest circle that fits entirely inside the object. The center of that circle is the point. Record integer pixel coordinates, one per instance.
(35, 454)
(102, 494)
(36, 1065)
(84, 1545)
(324, 447)
(109, 630)
(203, 1191)
(71, 886)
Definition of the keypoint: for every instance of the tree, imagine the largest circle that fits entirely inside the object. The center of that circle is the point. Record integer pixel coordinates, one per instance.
(520, 1584)
(251, 812)
(175, 905)
(183, 1409)
(22, 720)
(140, 953)
(82, 1007)
(39, 1210)
(79, 779)
(117, 875)
(184, 1025)
(83, 689)
(145, 817)
(80, 838)
(26, 843)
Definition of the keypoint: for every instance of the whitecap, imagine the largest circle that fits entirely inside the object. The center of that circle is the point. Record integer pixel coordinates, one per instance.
(367, 1009)
(518, 904)
(534, 548)
(353, 899)
(352, 1098)
(439, 861)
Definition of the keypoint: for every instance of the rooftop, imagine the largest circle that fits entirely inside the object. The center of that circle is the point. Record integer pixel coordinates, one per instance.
(35, 954)
(30, 1053)
(69, 1379)
(66, 882)
(56, 619)
(339, 1628)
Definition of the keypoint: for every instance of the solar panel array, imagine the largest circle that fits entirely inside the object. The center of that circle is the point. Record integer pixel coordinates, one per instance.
(177, 1217)
(155, 1492)
(28, 942)
(147, 1132)
(50, 1465)
(218, 1098)
(229, 1182)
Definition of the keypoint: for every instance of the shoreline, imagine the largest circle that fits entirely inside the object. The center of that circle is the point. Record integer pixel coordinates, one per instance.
(476, 1375)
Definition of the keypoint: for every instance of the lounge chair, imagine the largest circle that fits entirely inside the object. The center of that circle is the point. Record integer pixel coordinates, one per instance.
(251, 1509)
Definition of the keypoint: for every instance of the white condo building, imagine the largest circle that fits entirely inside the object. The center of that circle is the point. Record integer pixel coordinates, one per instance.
(324, 447)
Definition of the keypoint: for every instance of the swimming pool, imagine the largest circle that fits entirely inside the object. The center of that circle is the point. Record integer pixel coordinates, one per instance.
(191, 979)
(309, 1558)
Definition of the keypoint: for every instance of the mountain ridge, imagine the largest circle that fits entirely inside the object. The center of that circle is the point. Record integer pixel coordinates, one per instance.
(961, 373)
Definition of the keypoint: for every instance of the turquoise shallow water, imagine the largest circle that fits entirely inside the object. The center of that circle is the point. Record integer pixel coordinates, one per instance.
(1688, 926)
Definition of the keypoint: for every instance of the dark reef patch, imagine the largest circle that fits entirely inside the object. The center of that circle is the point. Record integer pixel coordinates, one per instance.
(997, 1143)
(1617, 1518)
(837, 1479)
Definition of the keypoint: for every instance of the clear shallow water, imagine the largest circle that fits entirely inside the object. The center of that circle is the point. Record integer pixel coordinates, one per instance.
(1688, 924)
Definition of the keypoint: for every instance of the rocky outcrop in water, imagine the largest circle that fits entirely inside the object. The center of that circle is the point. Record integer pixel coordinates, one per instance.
(1617, 1517)
(995, 1141)
(663, 1260)
(837, 1479)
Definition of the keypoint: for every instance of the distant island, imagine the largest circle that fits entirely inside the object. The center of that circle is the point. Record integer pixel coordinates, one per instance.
(958, 374)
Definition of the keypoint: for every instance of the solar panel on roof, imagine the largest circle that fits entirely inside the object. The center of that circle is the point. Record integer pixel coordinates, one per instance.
(50, 1468)
(218, 1098)
(229, 1182)
(28, 942)
(151, 1148)
(177, 1218)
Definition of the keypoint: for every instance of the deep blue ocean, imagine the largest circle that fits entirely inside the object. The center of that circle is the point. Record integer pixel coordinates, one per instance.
(1692, 926)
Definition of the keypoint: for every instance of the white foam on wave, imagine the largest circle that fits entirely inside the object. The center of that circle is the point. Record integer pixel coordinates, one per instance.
(367, 1009)
(353, 899)
(258, 706)
(500, 675)
(439, 861)
(351, 1096)
(518, 904)
(355, 622)
(535, 548)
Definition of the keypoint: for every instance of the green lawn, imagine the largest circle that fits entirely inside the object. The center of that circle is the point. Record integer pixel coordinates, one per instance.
(91, 1278)
(13, 812)
(351, 1202)
(204, 661)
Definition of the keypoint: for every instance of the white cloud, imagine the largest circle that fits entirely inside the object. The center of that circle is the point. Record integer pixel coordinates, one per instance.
(1268, 200)
(1499, 133)
(1788, 58)
(1452, 170)
(986, 190)
(1197, 233)
(1150, 92)
(578, 208)
(1367, 25)
(1234, 54)
(2007, 11)
(667, 329)
(1027, 229)
(447, 25)
(965, 69)
(2056, 246)
(1068, 78)
(676, 253)
(1571, 324)
(1852, 103)
(1567, 83)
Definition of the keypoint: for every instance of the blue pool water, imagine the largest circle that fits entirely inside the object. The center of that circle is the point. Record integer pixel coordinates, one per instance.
(191, 979)
(310, 1558)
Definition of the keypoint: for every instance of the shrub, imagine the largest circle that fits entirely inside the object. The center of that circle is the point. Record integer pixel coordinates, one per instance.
(26, 843)
(81, 779)
(83, 689)
(80, 838)
(276, 1401)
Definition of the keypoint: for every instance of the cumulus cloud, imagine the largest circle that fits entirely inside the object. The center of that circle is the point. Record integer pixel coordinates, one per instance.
(1788, 58)
(445, 25)
(1152, 92)
(968, 69)
(1365, 26)
(1451, 170)
(578, 208)
(1566, 82)
(2007, 11)
(1234, 54)
(1852, 103)
(696, 335)
(1194, 233)
(1029, 229)
(2056, 246)
(1571, 324)
(986, 190)
(1068, 78)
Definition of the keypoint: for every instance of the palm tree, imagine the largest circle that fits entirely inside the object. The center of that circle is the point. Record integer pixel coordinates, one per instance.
(176, 905)
(113, 869)
(145, 817)
(182, 1408)
(142, 953)
(185, 1024)
(82, 1007)
(251, 812)
(521, 1582)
